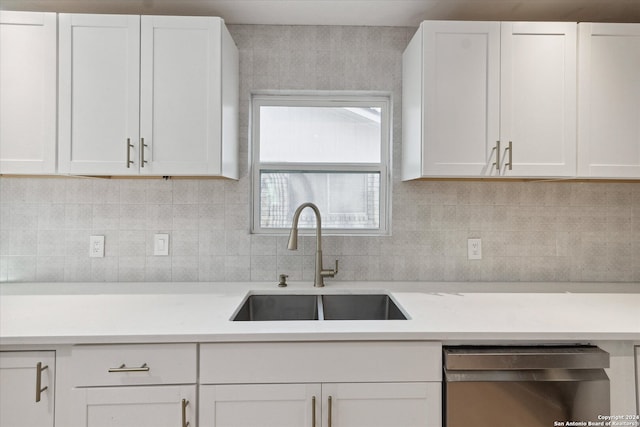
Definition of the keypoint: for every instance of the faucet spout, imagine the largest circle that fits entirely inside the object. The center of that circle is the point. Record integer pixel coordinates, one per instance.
(293, 235)
(320, 273)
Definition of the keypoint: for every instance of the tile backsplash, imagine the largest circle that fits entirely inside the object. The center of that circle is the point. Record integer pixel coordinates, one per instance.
(531, 231)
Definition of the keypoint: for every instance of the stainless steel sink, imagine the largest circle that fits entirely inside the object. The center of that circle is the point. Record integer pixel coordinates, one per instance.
(278, 307)
(281, 307)
(360, 307)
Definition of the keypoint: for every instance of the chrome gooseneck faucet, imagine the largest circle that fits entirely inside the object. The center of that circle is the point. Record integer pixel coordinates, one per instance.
(320, 273)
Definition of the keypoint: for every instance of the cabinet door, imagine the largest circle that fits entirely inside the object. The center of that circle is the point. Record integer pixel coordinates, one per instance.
(382, 405)
(181, 85)
(28, 82)
(538, 98)
(162, 406)
(609, 97)
(18, 388)
(451, 78)
(99, 94)
(264, 405)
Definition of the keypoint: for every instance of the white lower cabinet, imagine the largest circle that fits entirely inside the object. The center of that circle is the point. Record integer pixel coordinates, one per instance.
(153, 406)
(265, 405)
(339, 404)
(27, 384)
(243, 384)
(150, 385)
(381, 404)
(321, 384)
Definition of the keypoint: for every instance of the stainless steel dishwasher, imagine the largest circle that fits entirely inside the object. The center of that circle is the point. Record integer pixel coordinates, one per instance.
(541, 386)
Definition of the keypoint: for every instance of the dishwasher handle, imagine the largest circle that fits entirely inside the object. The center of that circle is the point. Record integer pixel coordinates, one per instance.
(481, 358)
(527, 375)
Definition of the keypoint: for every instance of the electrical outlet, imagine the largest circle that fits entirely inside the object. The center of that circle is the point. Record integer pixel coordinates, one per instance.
(160, 244)
(96, 246)
(474, 248)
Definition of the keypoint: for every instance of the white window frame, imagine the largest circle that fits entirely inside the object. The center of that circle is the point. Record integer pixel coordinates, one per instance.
(323, 99)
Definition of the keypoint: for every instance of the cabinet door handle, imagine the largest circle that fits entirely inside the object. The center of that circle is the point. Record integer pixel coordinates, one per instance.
(142, 147)
(313, 411)
(510, 150)
(123, 368)
(39, 388)
(330, 412)
(129, 147)
(497, 150)
(185, 423)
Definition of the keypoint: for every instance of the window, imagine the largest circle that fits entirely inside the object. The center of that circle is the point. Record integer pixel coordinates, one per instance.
(331, 150)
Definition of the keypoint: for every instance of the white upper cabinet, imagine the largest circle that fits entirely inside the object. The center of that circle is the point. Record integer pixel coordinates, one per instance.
(609, 101)
(485, 99)
(450, 99)
(99, 94)
(538, 99)
(150, 95)
(28, 55)
(189, 82)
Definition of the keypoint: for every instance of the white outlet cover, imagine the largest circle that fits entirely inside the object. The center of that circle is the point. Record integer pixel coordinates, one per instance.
(161, 244)
(474, 248)
(96, 246)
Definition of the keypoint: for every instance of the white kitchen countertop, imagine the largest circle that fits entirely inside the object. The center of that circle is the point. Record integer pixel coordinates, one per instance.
(53, 314)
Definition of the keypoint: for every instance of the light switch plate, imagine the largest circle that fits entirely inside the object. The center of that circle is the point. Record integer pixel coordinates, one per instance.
(96, 246)
(161, 244)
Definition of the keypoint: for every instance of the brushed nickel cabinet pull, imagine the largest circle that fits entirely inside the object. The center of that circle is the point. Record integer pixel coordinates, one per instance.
(142, 147)
(39, 388)
(497, 150)
(185, 423)
(313, 411)
(510, 150)
(123, 368)
(129, 147)
(330, 411)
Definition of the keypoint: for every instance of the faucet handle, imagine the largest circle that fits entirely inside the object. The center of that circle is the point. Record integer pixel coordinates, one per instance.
(330, 273)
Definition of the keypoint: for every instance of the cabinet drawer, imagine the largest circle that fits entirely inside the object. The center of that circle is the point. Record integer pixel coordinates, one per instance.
(133, 364)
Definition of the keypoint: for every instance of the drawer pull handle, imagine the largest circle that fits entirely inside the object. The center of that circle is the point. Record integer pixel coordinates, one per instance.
(123, 368)
(185, 423)
(313, 411)
(39, 388)
(330, 411)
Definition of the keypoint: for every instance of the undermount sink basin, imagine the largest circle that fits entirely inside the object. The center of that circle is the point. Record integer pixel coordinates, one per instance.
(361, 307)
(318, 307)
(278, 307)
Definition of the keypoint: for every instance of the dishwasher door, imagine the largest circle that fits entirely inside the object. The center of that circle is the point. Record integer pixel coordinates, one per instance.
(524, 386)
